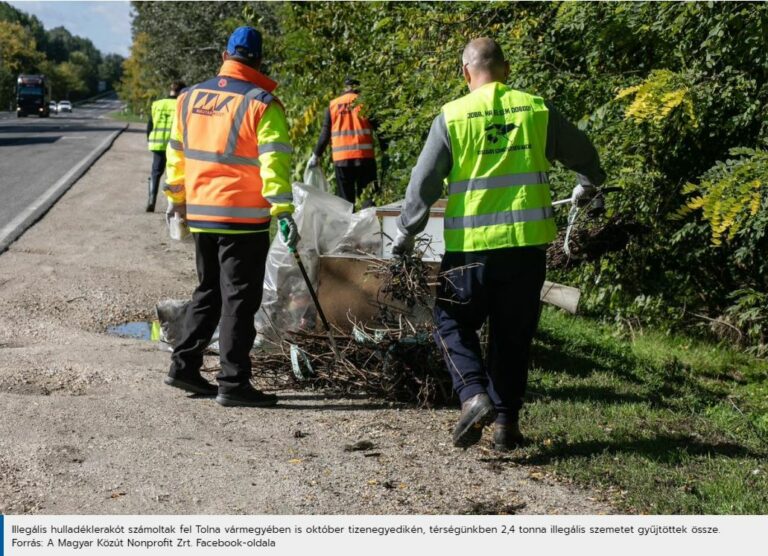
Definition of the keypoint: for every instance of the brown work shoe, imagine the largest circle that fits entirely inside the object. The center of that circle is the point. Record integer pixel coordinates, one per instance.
(507, 437)
(476, 413)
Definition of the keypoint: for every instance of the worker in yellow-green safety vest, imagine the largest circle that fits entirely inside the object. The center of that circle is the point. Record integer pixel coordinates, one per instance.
(158, 135)
(492, 148)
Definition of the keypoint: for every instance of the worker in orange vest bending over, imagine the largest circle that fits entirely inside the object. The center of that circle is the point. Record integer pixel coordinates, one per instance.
(228, 173)
(350, 134)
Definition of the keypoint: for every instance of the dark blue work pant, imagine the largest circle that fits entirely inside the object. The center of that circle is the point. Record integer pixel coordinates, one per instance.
(158, 167)
(502, 286)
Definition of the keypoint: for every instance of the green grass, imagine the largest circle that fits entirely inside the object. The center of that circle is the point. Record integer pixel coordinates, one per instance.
(660, 424)
(127, 116)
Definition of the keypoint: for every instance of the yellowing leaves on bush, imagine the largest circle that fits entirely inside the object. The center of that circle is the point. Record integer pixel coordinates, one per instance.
(656, 97)
(729, 194)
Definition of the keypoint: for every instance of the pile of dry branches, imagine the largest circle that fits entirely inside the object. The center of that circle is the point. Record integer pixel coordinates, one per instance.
(394, 359)
(588, 243)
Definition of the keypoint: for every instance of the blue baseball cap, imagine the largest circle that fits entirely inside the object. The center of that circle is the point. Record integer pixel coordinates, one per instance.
(245, 42)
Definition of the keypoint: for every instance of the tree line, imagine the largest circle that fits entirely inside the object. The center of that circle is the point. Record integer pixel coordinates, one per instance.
(73, 64)
(674, 95)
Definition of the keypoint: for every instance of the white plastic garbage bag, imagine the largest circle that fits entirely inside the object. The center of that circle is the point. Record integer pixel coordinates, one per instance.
(170, 314)
(314, 177)
(327, 226)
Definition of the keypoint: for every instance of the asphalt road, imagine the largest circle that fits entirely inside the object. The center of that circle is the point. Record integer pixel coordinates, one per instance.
(36, 152)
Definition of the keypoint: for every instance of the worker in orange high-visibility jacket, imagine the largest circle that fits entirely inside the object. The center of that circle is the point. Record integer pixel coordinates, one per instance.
(227, 174)
(350, 134)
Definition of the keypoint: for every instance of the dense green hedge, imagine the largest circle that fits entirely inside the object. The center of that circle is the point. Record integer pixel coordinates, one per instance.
(674, 95)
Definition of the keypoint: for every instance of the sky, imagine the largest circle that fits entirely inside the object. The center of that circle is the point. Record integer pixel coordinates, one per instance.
(107, 24)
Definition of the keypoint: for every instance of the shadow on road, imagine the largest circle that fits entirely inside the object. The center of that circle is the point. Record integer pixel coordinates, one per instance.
(18, 141)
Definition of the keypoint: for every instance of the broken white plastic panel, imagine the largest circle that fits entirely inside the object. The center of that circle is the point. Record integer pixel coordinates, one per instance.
(565, 297)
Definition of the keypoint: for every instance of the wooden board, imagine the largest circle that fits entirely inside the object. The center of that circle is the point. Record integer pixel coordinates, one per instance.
(345, 290)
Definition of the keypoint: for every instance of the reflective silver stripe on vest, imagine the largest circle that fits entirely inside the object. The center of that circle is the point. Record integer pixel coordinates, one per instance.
(275, 148)
(185, 112)
(176, 145)
(173, 188)
(351, 132)
(234, 212)
(498, 182)
(221, 158)
(365, 147)
(498, 218)
(154, 129)
(282, 198)
(239, 118)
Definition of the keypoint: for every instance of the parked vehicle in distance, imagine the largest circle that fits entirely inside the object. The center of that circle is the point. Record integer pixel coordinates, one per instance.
(64, 106)
(53, 107)
(33, 93)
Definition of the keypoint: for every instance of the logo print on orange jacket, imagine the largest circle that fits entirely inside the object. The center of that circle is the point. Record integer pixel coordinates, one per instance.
(351, 133)
(212, 104)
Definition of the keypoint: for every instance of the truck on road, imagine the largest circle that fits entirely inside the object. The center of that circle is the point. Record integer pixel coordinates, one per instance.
(33, 95)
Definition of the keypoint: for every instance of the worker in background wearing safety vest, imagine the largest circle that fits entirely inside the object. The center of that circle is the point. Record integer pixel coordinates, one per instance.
(228, 174)
(492, 148)
(158, 135)
(350, 134)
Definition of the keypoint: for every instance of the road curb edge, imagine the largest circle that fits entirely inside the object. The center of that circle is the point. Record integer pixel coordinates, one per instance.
(34, 212)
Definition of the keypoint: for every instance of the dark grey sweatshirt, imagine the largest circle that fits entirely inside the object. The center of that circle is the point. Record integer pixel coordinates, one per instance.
(566, 144)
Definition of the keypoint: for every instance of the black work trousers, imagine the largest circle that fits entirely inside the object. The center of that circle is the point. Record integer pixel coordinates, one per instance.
(230, 272)
(352, 179)
(503, 286)
(158, 167)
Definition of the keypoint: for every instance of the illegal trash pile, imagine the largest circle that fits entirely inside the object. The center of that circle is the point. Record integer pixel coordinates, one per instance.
(394, 359)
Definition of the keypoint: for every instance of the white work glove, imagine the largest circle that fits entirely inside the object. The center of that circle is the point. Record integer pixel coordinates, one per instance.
(172, 208)
(403, 243)
(313, 161)
(583, 194)
(289, 231)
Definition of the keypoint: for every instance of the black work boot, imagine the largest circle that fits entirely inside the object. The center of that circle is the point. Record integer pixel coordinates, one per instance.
(195, 384)
(507, 436)
(245, 396)
(476, 413)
